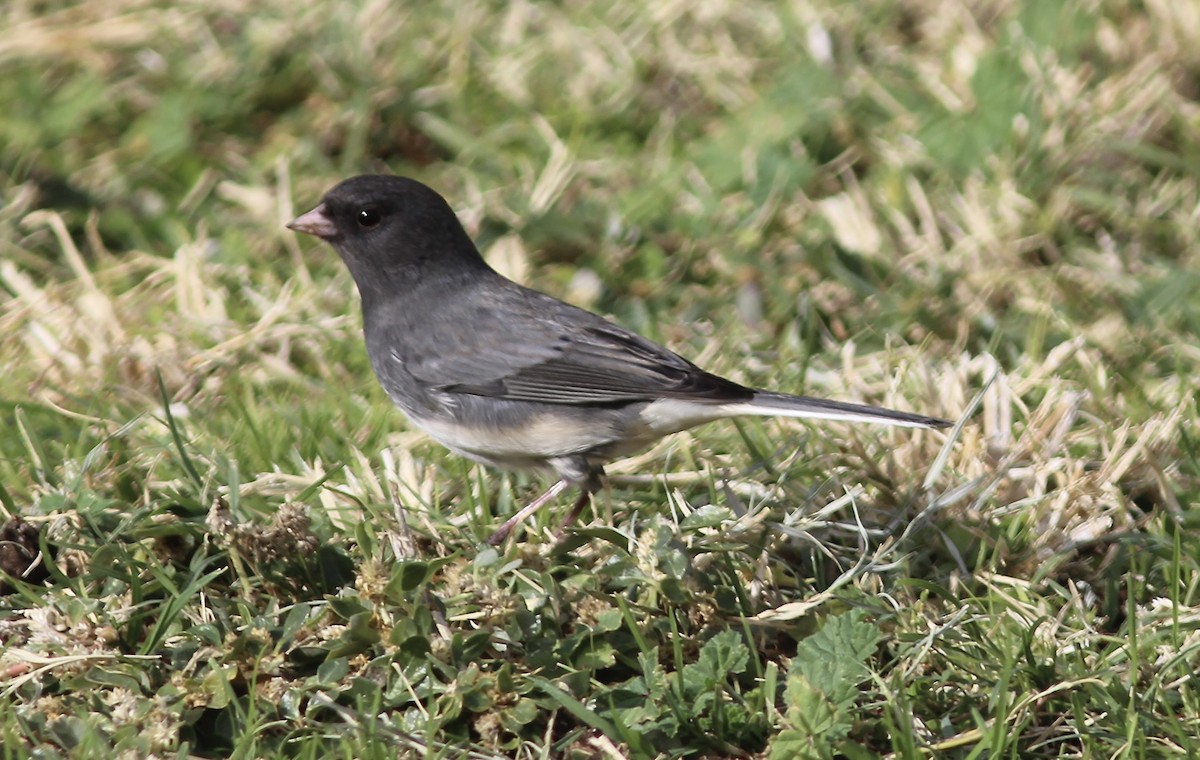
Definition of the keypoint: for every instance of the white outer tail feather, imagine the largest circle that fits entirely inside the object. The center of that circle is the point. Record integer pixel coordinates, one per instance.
(770, 404)
(763, 410)
(671, 415)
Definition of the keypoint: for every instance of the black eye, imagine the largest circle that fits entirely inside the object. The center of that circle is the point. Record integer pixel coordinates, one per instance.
(368, 217)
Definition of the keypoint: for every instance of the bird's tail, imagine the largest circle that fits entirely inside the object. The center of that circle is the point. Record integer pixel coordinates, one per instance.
(768, 404)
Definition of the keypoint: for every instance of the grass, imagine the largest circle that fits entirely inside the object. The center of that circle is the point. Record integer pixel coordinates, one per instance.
(221, 540)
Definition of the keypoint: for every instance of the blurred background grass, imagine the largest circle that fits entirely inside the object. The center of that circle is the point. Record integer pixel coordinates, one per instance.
(906, 202)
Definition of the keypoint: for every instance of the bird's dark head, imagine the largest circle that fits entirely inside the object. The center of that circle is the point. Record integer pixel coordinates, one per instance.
(390, 230)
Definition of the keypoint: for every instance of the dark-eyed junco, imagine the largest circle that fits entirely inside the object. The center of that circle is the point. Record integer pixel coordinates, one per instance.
(509, 376)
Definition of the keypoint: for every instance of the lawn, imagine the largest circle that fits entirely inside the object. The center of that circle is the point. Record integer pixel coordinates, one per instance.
(220, 539)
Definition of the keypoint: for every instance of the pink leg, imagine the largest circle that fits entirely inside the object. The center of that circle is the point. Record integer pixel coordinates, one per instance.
(512, 522)
(584, 497)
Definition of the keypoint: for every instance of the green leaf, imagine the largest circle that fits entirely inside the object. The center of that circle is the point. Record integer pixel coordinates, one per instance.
(362, 628)
(708, 516)
(123, 676)
(576, 708)
(410, 575)
(347, 607)
(332, 671)
(834, 659)
(809, 708)
(337, 569)
(791, 744)
(216, 685)
(823, 682)
(608, 621)
(69, 731)
(600, 655)
(721, 656)
(520, 714)
(292, 623)
(415, 646)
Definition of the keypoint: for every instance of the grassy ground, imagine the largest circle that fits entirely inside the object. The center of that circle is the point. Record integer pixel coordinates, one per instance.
(987, 211)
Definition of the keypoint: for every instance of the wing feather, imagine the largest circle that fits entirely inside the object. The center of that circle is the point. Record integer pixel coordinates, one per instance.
(522, 345)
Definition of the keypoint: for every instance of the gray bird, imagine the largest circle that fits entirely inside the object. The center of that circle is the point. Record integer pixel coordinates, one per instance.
(511, 377)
